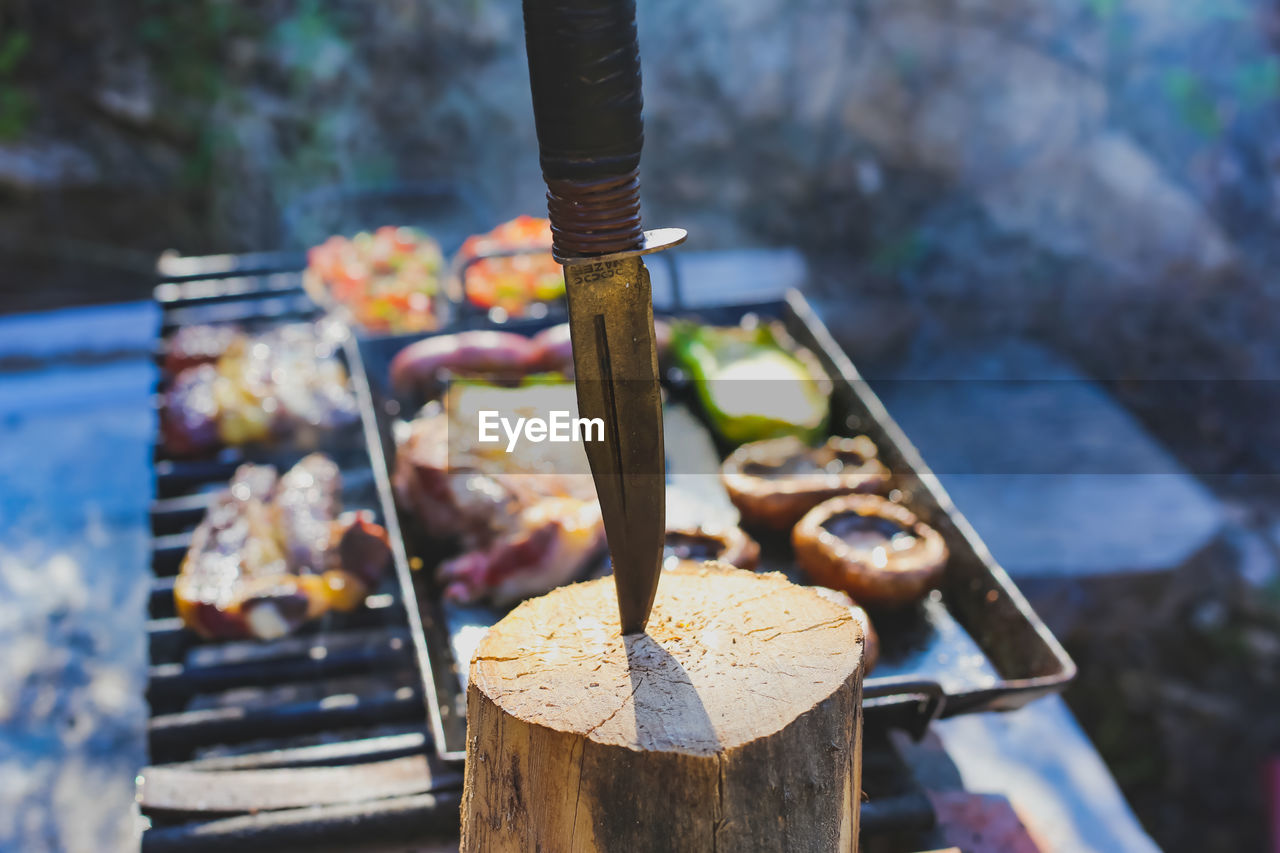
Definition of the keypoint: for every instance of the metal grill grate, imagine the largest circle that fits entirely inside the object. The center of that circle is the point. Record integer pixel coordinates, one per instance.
(320, 738)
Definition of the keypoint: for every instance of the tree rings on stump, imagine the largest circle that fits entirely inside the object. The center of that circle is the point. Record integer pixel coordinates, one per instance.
(733, 724)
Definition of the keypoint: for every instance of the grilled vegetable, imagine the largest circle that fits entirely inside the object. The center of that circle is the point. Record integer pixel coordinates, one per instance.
(872, 548)
(754, 383)
(390, 281)
(514, 282)
(272, 553)
(697, 544)
(775, 482)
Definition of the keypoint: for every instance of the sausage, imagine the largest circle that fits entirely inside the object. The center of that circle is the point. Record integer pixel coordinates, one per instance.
(419, 365)
(555, 350)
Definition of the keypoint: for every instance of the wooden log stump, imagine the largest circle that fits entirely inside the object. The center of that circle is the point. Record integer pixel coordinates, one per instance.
(734, 724)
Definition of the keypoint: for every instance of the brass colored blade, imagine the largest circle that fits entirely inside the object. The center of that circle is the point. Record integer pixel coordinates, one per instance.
(615, 358)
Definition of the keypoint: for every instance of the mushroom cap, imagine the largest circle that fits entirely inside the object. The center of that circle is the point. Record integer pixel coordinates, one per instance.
(805, 477)
(878, 576)
(730, 545)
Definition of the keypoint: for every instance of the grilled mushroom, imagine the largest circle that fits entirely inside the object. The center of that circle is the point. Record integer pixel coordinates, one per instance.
(728, 545)
(773, 483)
(874, 549)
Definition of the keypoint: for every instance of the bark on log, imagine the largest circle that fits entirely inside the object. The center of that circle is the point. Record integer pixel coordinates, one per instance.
(734, 724)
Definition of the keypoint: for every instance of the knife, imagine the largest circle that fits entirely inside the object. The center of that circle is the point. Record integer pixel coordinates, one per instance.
(584, 72)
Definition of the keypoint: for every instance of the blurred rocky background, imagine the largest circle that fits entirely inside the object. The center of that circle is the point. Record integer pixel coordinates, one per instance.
(1102, 176)
(1102, 173)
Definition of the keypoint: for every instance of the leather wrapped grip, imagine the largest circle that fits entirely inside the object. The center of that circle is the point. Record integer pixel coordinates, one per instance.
(584, 70)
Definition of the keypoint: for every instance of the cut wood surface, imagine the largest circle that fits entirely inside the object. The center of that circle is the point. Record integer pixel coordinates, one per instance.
(734, 724)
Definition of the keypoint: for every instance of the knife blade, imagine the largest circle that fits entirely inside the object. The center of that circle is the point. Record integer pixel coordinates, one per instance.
(615, 361)
(584, 74)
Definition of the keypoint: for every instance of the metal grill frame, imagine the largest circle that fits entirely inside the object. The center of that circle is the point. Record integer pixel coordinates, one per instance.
(404, 787)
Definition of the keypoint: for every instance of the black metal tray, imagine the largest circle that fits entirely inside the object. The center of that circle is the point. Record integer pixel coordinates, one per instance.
(974, 645)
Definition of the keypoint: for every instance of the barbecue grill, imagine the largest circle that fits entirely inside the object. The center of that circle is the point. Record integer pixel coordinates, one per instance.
(347, 732)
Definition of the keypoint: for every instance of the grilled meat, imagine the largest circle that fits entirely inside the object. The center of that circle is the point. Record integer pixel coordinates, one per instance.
(547, 544)
(234, 388)
(194, 345)
(526, 522)
(423, 366)
(306, 504)
(448, 501)
(272, 553)
(299, 364)
(459, 487)
(189, 418)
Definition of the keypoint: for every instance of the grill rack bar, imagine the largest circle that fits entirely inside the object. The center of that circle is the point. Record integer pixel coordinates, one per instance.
(410, 819)
(380, 748)
(212, 291)
(178, 735)
(183, 512)
(229, 792)
(289, 307)
(171, 681)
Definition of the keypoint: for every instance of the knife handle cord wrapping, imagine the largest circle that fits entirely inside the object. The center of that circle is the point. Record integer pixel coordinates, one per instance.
(584, 72)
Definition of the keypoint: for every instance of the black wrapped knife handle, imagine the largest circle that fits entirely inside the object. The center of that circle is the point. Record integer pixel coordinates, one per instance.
(584, 70)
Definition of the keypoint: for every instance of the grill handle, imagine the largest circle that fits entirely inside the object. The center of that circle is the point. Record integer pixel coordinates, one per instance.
(928, 697)
(584, 73)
